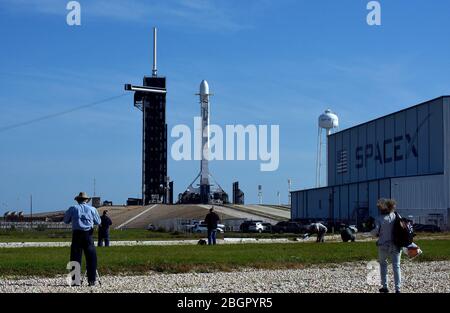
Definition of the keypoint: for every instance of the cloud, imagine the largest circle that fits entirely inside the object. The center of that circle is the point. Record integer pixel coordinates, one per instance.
(204, 14)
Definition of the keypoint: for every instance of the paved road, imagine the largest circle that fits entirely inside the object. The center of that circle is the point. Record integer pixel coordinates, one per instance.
(269, 210)
(239, 214)
(127, 222)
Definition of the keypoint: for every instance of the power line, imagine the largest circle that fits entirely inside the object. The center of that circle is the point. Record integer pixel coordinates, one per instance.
(49, 116)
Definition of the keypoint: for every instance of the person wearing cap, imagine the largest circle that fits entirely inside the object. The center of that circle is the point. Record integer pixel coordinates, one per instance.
(83, 217)
(103, 229)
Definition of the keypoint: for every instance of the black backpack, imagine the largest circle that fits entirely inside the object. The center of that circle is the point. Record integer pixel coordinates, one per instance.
(403, 231)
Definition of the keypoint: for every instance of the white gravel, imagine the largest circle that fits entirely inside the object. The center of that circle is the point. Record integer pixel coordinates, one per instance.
(350, 277)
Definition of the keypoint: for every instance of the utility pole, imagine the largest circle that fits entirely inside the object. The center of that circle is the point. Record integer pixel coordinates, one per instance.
(279, 198)
(31, 211)
(289, 191)
(260, 195)
(94, 186)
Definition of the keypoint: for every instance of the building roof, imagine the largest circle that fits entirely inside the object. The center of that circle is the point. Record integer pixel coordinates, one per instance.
(384, 116)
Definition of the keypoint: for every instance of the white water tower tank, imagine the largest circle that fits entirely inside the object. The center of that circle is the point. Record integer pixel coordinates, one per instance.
(328, 120)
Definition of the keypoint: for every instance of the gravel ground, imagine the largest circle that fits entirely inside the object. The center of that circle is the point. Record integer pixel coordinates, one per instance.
(350, 277)
(152, 242)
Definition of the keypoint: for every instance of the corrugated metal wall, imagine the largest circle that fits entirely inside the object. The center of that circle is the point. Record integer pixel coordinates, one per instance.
(446, 119)
(344, 200)
(419, 192)
(406, 143)
(418, 196)
(422, 198)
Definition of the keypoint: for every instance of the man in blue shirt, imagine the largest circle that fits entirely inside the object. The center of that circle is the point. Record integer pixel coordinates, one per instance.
(83, 218)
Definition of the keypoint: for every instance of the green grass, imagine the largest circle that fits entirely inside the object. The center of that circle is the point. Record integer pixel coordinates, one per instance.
(175, 259)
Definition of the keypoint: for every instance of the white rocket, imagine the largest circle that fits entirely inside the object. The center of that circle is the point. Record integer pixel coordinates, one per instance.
(207, 184)
(204, 109)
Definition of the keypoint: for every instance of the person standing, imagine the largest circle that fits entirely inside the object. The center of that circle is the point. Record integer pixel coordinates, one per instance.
(384, 229)
(212, 220)
(103, 229)
(83, 218)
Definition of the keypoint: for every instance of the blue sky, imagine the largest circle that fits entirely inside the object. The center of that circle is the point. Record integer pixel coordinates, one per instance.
(267, 62)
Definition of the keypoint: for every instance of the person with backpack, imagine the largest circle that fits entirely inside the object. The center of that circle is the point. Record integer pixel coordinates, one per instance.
(387, 249)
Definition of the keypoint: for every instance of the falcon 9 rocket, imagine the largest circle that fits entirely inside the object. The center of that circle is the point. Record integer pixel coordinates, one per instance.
(204, 193)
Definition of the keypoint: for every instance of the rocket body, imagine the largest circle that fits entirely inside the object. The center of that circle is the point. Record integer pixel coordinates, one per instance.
(208, 190)
(204, 109)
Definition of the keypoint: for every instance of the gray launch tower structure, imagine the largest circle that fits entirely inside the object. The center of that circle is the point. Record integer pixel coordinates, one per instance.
(151, 100)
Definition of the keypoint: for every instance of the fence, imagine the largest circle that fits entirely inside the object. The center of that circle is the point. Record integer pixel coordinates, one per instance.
(186, 225)
(34, 225)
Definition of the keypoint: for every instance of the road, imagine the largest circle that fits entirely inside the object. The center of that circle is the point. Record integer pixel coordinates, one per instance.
(236, 213)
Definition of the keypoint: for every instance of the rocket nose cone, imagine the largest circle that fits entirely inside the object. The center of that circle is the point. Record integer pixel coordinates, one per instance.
(204, 88)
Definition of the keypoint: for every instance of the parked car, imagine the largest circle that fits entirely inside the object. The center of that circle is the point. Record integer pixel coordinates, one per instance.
(245, 225)
(426, 228)
(288, 227)
(203, 228)
(259, 227)
(268, 227)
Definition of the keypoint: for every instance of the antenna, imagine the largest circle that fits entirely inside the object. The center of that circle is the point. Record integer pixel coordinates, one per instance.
(155, 34)
(31, 211)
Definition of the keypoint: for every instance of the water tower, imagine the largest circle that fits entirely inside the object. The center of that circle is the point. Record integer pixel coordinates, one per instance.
(327, 121)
